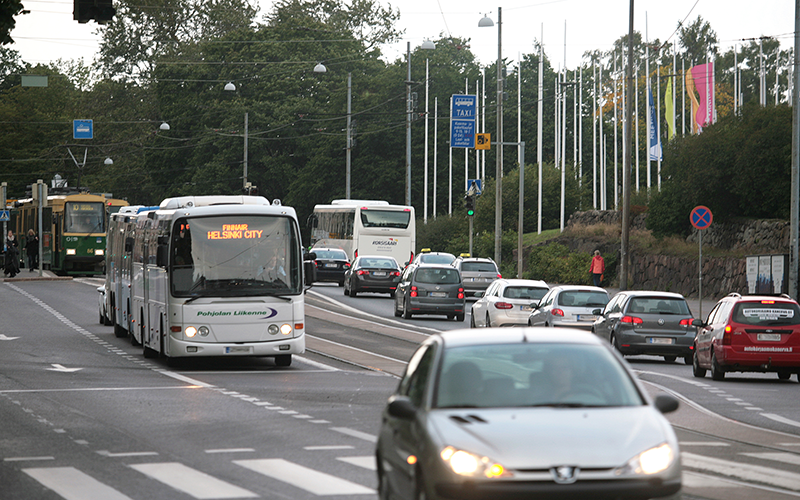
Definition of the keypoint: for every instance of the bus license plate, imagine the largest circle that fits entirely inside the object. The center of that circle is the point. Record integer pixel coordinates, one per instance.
(237, 350)
(655, 340)
(438, 294)
(772, 337)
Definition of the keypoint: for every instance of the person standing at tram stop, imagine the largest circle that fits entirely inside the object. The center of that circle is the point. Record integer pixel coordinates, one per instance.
(32, 249)
(12, 255)
(597, 268)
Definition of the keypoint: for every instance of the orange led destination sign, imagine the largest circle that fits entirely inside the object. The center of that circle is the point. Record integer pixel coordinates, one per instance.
(235, 232)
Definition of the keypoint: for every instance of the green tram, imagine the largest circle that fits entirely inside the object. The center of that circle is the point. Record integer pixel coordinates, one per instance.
(73, 231)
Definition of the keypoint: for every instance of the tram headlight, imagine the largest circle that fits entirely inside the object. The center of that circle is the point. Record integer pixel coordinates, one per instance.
(98, 251)
(70, 251)
(190, 331)
(203, 331)
(286, 329)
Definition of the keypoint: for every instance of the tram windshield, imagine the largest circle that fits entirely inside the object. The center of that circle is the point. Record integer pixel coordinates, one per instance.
(239, 255)
(84, 217)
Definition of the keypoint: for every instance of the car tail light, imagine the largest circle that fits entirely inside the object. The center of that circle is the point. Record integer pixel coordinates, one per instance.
(631, 320)
(686, 322)
(503, 305)
(557, 312)
(460, 293)
(726, 335)
(499, 276)
(362, 272)
(316, 264)
(395, 273)
(346, 265)
(413, 291)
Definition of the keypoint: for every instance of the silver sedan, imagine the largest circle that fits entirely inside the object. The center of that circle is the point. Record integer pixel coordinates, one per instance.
(524, 413)
(507, 302)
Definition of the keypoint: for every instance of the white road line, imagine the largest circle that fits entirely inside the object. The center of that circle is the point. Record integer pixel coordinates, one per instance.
(108, 454)
(323, 448)
(746, 472)
(399, 324)
(26, 459)
(184, 378)
(304, 478)
(232, 450)
(702, 443)
(73, 484)
(781, 419)
(356, 349)
(356, 434)
(696, 480)
(190, 481)
(366, 462)
(786, 458)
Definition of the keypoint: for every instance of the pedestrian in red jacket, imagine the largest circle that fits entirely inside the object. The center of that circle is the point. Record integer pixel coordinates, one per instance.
(597, 268)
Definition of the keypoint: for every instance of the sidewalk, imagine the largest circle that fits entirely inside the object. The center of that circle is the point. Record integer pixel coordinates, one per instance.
(26, 275)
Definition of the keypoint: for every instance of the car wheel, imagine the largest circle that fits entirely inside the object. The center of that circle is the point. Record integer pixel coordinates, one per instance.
(613, 341)
(460, 317)
(488, 321)
(353, 292)
(696, 370)
(346, 290)
(472, 322)
(283, 360)
(384, 490)
(670, 359)
(688, 359)
(419, 486)
(716, 370)
(341, 283)
(784, 375)
(406, 310)
(396, 310)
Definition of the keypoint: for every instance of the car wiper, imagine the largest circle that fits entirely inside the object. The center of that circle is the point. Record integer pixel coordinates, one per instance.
(564, 405)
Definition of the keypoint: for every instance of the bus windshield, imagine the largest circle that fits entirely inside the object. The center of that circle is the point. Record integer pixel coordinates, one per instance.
(241, 255)
(385, 218)
(84, 217)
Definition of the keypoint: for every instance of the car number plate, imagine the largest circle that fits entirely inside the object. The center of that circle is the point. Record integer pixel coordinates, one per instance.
(525, 308)
(332, 265)
(438, 294)
(772, 337)
(237, 350)
(586, 317)
(379, 273)
(659, 340)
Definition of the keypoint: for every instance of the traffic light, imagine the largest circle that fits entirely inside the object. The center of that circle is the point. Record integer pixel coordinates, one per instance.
(250, 190)
(101, 11)
(469, 203)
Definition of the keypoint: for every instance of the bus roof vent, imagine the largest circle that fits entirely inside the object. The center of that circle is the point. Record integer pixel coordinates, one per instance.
(359, 202)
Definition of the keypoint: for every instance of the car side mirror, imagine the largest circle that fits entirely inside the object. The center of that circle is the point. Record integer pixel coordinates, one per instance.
(597, 312)
(478, 295)
(401, 407)
(697, 322)
(666, 403)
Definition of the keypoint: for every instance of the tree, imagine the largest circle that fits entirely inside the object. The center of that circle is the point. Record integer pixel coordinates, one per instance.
(698, 40)
(8, 9)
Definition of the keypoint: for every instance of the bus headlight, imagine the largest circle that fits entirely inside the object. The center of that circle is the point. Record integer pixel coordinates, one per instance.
(203, 331)
(286, 329)
(70, 251)
(190, 331)
(273, 329)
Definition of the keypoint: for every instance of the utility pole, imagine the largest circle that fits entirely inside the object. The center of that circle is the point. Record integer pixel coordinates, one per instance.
(626, 169)
(795, 195)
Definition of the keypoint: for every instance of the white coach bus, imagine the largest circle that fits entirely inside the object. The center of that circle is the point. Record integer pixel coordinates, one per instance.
(218, 276)
(365, 227)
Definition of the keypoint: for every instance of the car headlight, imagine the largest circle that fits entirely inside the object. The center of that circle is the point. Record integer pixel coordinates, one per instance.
(465, 463)
(651, 461)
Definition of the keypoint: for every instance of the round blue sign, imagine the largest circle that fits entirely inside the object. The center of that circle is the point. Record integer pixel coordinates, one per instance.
(701, 217)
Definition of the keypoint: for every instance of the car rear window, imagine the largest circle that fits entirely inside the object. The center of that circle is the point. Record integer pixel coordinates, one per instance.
(766, 313)
(658, 305)
(436, 259)
(583, 298)
(524, 292)
(379, 263)
(331, 254)
(438, 275)
(478, 267)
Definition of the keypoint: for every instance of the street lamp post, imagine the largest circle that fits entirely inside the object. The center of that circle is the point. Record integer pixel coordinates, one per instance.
(230, 87)
(498, 211)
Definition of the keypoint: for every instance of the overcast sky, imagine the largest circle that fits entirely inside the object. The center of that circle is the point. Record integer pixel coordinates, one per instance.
(49, 32)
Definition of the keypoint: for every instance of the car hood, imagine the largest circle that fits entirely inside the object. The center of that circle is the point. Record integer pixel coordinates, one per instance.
(540, 438)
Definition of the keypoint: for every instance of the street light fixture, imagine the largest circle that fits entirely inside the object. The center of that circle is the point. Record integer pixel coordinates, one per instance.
(164, 126)
(320, 68)
(108, 161)
(498, 212)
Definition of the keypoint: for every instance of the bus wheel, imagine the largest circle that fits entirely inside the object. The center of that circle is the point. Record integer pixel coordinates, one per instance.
(119, 331)
(283, 360)
(147, 352)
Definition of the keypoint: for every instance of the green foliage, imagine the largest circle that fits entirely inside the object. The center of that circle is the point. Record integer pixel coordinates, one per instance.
(554, 263)
(8, 9)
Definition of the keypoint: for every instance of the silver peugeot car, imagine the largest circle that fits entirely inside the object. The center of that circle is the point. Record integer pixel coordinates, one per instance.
(524, 413)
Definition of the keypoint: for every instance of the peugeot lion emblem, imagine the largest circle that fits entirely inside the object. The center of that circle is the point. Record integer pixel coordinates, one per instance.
(565, 474)
(660, 321)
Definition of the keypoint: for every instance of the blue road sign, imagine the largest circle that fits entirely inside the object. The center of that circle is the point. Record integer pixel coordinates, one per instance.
(463, 113)
(474, 184)
(4, 217)
(82, 129)
(701, 217)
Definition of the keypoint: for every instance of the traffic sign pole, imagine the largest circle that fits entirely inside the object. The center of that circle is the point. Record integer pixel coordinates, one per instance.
(701, 218)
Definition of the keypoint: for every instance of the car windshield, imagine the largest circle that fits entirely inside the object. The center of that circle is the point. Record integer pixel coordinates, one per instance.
(438, 275)
(478, 267)
(766, 313)
(659, 305)
(235, 256)
(524, 292)
(583, 298)
(436, 259)
(331, 254)
(531, 375)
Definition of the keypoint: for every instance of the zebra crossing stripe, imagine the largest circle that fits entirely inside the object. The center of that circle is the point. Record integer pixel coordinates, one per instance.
(741, 471)
(304, 478)
(73, 484)
(192, 482)
(787, 458)
(367, 461)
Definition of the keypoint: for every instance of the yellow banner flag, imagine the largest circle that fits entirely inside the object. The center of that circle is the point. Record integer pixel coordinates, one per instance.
(669, 112)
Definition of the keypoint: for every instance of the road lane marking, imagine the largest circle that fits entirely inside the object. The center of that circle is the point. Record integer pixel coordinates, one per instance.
(357, 349)
(73, 484)
(781, 419)
(323, 448)
(313, 481)
(702, 443)
(232, 450)
(108, 454)
(365, 462)
(746, 472)
(786, 458)
(26, 459)
(192, 482)
(356, 434)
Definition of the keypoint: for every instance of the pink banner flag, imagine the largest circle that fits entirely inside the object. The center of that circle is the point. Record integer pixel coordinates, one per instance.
(703, 76)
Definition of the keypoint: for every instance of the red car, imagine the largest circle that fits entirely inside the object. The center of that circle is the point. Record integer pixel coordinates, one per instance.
(750, 333)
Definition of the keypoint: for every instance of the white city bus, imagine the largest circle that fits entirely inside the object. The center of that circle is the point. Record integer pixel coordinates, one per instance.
(365, 227)
(218, 276)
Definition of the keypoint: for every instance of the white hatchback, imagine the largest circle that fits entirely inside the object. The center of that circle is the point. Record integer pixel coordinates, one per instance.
(507, 302)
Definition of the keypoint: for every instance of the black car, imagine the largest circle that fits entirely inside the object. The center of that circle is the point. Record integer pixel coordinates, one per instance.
(430, 289)
(331, 264)
(372, 273)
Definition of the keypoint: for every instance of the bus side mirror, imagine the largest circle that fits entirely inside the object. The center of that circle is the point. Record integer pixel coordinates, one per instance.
(129, 244)
(162, 255)
(309, 268)
(163, 240)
